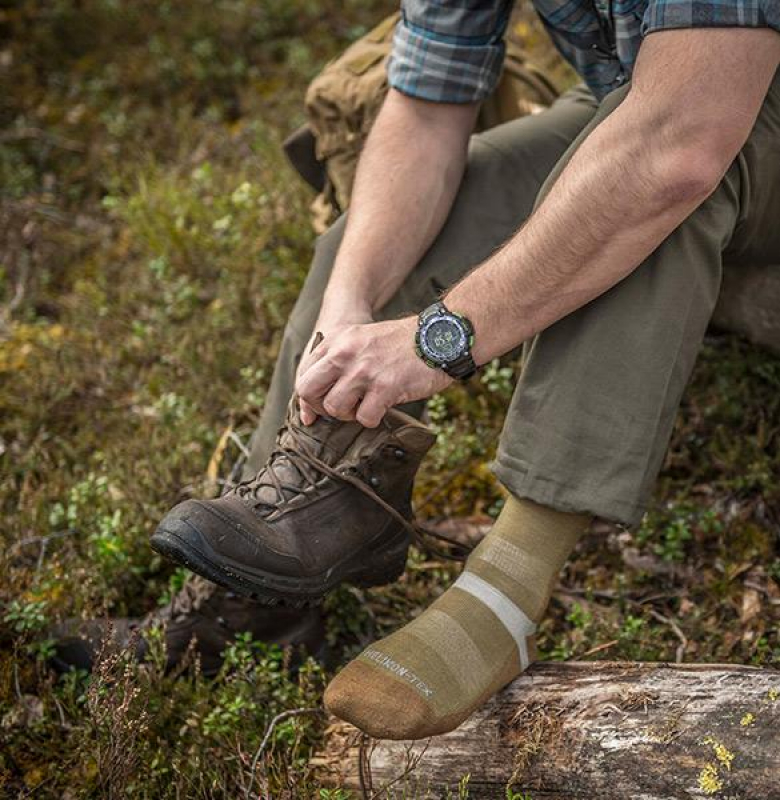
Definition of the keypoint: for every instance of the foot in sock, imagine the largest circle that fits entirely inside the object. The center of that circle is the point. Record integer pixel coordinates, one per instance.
(429, 676)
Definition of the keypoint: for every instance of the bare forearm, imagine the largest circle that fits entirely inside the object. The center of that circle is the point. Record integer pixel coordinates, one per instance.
(611, 207)
(406, 182)
(638, 176)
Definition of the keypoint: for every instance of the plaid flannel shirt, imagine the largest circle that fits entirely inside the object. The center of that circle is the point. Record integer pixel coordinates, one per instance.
(451, 51)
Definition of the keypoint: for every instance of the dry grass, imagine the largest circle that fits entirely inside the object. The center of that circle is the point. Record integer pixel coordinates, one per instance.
(153, 241)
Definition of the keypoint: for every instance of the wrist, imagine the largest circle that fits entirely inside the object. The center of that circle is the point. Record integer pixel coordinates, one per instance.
(444, 340)
(482, 348)
(343, 308)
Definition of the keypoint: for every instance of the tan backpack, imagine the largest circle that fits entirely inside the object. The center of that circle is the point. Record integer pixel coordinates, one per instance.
(344, 99)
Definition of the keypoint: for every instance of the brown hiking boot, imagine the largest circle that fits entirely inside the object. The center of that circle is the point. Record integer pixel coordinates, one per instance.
(200, 611)
(332, 504)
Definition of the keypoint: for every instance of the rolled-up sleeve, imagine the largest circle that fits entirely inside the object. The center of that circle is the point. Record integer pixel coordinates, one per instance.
(449, 51)
(668, 14)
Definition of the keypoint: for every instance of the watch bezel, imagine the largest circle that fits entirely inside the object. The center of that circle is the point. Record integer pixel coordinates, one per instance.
(464, 344)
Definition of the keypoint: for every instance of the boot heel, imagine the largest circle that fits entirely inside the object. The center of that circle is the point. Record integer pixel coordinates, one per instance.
(382, 568)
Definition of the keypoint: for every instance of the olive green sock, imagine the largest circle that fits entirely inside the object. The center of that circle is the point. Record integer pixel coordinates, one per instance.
(430, 675)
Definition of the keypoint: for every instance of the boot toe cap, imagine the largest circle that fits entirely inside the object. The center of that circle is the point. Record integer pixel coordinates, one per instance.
(225, 531)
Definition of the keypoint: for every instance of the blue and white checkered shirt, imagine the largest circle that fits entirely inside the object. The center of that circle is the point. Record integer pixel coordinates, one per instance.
(451, 51)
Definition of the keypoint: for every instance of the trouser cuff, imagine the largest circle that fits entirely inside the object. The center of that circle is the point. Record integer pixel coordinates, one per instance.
(524, 482)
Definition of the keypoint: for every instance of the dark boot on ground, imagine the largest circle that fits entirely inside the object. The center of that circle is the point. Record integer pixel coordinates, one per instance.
(332, 504)
(202, 618)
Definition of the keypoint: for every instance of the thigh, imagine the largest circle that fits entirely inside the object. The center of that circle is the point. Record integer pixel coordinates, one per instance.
(757, 236)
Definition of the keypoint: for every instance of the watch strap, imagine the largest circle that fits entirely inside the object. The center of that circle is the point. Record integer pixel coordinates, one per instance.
(462, 368)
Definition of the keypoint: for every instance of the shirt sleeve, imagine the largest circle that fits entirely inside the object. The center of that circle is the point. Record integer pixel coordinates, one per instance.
(667, 14)
(449, 51)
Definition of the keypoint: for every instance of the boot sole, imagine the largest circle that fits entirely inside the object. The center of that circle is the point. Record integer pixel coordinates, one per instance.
(181, 542)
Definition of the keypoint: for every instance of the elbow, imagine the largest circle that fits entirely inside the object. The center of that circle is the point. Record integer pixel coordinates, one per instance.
(687, 156)
(687, 175)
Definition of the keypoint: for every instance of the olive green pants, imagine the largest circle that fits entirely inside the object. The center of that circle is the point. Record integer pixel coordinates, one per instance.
(594, 406)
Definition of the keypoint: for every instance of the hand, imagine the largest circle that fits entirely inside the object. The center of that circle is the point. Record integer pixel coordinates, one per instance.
(360, 371)
(331, 320)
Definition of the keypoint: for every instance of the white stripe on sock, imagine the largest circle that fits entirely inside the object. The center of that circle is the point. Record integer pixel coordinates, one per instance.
(512, 617)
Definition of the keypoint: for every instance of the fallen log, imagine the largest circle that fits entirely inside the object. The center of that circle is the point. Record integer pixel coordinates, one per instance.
(586, 731)
(749, 303)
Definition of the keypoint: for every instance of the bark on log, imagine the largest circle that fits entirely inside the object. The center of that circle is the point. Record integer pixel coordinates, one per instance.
(749, 303)
(595, 731)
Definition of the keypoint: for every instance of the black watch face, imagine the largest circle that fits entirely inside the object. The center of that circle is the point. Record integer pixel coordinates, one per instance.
(444, 340)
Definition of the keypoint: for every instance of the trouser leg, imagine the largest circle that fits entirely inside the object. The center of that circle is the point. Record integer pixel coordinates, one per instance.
(594, 407)
(506, 167)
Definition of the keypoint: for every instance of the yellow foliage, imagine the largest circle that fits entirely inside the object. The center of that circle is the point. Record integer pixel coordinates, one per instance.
(25, 339)
(709, 779)
(722, 753)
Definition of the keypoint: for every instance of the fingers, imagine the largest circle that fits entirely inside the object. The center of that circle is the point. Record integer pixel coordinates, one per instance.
(360, 372)
(342, 399)
(308, 412)
(372, 409)
(312, 385)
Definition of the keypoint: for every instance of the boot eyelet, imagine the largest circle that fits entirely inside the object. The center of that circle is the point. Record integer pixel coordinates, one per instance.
(374, 481)
(399, 453)
(222, 622)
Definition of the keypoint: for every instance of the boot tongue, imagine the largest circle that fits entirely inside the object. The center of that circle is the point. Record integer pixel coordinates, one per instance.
(327, 439)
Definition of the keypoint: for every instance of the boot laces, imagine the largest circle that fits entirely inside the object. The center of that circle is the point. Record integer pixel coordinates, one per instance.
(297, 455)
(311, 469)
(192, 595)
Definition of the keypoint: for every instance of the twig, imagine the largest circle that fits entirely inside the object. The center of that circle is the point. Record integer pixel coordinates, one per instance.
(677, 632)
(294, 712)
(599, 648)
(681, 648)
(33, 790)
(233, 436)
(757, 587)
(63, 721)
(238, 465)
(364, 768)
(42, 135)
(412, 762)
(17, 687)
(41, 556)
(44, 539)
(20, 290)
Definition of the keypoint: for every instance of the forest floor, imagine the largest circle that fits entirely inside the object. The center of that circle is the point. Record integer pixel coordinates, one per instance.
(152, 242)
